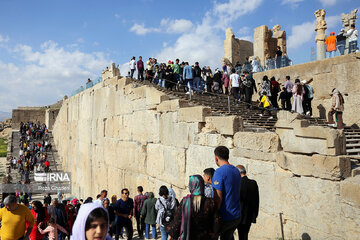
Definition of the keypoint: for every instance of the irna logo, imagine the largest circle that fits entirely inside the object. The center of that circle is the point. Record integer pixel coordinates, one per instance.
(52, 177)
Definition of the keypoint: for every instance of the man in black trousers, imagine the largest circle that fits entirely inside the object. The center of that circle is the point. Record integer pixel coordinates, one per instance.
(249, 199)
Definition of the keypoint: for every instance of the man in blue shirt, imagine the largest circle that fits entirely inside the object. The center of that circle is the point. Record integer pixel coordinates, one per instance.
(124, 211)
(188, 77)
(226, 182)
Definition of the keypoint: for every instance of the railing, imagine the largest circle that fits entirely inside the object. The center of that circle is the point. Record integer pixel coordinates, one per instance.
(86, 86)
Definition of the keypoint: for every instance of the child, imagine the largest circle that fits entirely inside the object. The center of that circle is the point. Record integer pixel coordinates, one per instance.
(52, 229)
(266, 105)
(282, 98)
(208, 175)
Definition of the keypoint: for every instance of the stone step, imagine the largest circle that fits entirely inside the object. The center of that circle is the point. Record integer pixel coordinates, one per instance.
(355, 150)
(352, 145)
(353, 140)
(352, 136)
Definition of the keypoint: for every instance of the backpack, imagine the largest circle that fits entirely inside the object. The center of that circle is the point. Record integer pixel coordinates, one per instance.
(306, 92)
(168, 215)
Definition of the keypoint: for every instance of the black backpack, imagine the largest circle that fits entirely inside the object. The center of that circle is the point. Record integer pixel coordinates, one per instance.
(168, 215)
(306, 92)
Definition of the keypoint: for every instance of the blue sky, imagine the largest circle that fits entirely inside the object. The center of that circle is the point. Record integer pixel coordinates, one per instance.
(49, 48)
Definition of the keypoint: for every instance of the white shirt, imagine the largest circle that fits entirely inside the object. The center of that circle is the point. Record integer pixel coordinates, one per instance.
(132, 64)
(352, 35)
(235, 80)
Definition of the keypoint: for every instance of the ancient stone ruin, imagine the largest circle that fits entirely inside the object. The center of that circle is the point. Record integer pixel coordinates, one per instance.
(320, 28)
(266, 41)
(236, 50)
(349, 19)
(111, 72)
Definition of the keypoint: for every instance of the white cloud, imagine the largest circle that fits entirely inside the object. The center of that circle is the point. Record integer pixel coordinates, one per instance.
(204, 42)
(177, 25)
(292, 3)
(247, 38)
(230, 11)
(140, 29)
(116, 15)
(243, 31)
(301, 34)
(328, 3)
(4, 39)
(43, 77)
(305, 32)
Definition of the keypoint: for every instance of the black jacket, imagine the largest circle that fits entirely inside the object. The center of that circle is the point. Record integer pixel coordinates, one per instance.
(249, 199)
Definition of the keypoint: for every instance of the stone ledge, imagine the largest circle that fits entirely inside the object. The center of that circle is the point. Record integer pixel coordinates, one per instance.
(194, 114)
(320, 166)
(172, 105)
(264, 142)
(226, 125)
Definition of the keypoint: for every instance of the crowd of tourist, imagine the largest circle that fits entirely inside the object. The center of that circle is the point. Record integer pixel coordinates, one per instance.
(219, 202)
(338, 42)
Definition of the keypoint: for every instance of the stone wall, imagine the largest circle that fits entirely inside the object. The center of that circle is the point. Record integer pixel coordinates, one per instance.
(121, 134)
(236, 50)
(341, 72)
(34, 114)
(27, 115)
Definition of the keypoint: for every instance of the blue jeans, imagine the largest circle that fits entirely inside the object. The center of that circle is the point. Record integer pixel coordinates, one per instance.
(331, 54)
(352, 46)
(189, 84)
(61, 235)
(341, 48)
(153, 231)
(197, 83)
(164, 234)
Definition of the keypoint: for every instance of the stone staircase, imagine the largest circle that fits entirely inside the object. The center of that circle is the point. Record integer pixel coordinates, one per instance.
(219, 105)
(353, 148)
(16, 176)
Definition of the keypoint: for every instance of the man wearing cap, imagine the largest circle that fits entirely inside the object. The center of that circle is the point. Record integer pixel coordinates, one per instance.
(331, 44)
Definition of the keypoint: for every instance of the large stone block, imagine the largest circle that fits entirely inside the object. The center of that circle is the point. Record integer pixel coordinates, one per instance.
(213, 140)
(296, 163)
(264, 142)
(199, 158)
(154, 96)
(350, 191)
(177, 134)
(254, 154)
(194, 114)
(171, 105)
(329, 167)
(226, 125)
(326, 167)
(166, 163)
(291, 143)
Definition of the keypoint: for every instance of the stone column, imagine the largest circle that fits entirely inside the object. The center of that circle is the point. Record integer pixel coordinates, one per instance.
(348, 20)
(320, 33)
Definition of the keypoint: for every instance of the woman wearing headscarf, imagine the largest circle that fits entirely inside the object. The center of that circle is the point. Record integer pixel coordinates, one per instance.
(195, 216)
(92, 222)
(298, 94)
(337, 108)
(148, 212)
(266, 86)
(40, 214)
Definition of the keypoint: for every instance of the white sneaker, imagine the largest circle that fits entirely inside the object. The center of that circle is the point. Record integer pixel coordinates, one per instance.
(260, 115)
(187, 93)
(332, 125)
(271, 117)
(308, 113)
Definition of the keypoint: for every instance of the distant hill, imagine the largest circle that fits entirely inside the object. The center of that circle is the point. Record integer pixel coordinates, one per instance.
(4, 115)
